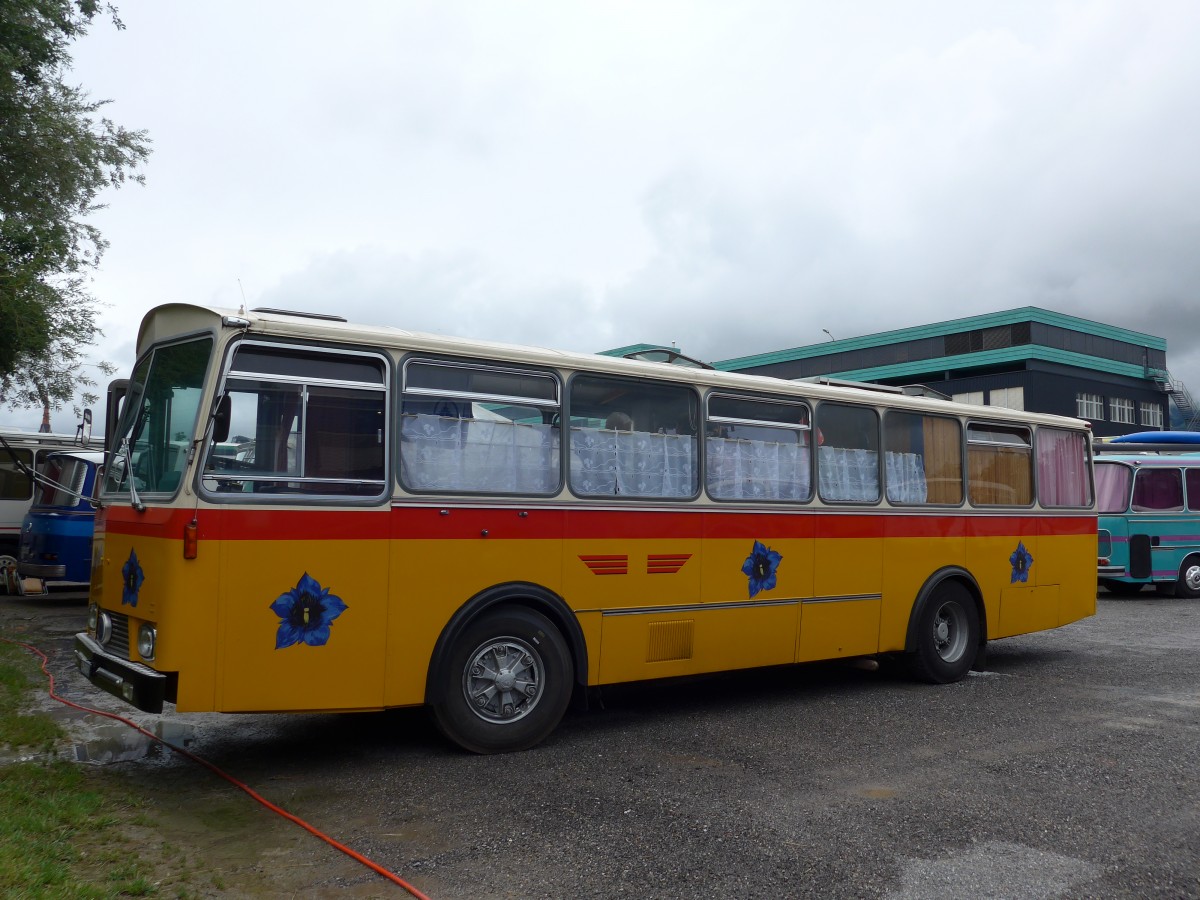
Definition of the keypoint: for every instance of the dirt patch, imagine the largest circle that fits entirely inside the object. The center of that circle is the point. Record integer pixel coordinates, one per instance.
(193, 833)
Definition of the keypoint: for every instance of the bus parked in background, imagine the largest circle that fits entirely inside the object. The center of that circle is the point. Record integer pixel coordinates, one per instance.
(21, 453)
(492, 530)
(1148, 499)
(56, 537)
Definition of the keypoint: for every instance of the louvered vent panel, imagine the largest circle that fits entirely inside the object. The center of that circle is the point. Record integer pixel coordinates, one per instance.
(671, 640)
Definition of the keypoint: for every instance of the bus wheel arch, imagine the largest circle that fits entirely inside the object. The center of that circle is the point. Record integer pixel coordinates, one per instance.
(512, 632)
(947, 630)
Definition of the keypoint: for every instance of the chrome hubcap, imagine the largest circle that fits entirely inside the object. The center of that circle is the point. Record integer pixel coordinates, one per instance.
(1191, 576)
(503, 680)
(950, 632)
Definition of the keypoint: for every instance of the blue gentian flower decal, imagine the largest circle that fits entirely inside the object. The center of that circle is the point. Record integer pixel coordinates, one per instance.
(305, 614)
(1021, 561)
(760, 567)
(132, 577)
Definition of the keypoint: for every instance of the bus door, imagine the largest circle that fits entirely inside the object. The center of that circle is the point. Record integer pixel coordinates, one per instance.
(304, 517)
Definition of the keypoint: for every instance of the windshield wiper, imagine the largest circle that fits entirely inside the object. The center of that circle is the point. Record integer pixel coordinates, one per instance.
(135, 500)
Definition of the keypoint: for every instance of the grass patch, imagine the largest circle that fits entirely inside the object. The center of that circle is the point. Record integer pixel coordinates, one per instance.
(19, 672)
(67, 831)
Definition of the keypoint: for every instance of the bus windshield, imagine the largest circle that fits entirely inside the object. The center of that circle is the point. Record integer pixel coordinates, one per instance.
(159, 419)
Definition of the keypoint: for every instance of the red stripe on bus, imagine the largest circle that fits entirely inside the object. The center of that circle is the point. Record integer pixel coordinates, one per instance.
(458, 523)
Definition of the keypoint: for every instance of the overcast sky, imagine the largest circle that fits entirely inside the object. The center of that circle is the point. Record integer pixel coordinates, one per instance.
(733, 177)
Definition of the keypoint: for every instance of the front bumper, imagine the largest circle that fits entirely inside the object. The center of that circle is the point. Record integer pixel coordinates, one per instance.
(37, 570)
(136, 684)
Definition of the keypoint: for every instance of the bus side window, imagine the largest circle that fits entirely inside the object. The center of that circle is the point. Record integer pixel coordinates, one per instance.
(14, 484)
(999, 465)
(631, 438)
(294, 429)
(1192, 477)
(757, 449)
(1158, 490)
(922, 458)
(1062, 468)
(848, 455)
(479, 429)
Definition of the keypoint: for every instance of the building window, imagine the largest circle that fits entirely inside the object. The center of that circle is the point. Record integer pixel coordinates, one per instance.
(1089, 406)
(975, 397)
(1151, 414)
(1009, 398)
(1121, 411)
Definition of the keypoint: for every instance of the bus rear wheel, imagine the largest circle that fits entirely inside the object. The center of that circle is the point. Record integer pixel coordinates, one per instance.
(946, 639)
(1188, 584)
(505, 683)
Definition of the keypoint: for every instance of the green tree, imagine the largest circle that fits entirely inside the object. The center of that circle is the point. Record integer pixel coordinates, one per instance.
(56, 156)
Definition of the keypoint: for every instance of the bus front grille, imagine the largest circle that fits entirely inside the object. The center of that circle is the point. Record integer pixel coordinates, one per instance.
(118, 641)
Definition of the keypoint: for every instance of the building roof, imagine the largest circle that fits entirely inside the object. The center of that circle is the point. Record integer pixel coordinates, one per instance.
(956, 326)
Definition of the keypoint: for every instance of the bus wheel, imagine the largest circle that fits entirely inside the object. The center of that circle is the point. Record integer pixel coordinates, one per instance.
(505, 684)
(1122, 588)
(1189, 578)
(9, 579)
(947, 636)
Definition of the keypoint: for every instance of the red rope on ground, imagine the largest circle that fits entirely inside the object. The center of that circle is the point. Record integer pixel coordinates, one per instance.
(357, 857)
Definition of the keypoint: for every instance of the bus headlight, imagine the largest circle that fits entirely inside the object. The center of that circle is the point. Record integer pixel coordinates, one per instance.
(103, 628)
(93, 616)
(147, 638)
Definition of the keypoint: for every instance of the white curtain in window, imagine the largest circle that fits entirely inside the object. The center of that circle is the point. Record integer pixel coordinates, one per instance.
(905, 477)
(1062, 468)
(757, 470)
(848, 473)
(632, 463)
(452, 454)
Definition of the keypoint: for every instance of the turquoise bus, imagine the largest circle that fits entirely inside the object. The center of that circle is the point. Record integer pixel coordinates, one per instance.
(1148, 500)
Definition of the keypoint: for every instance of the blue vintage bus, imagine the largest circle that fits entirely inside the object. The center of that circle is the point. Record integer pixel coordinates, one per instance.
(1148, 500)
(56, 535)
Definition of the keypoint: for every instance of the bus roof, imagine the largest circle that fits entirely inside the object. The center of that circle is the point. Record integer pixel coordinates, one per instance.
(172, 320)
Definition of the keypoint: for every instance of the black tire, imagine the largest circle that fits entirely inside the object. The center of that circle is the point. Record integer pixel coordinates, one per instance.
(1122, 588)
(505, 683)
(1188, 584)
(946, 639)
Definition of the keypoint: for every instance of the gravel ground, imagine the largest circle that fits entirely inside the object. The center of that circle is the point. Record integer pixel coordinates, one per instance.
(1067, 768)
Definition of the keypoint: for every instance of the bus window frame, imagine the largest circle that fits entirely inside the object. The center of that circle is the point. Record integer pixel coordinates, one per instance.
(960, 422)
(879, 466)
(698, 409)
(507, 367)
(968, 424)
(806, 430)
(300, 497)
(1089, 462)
(1130, 470)
(1149, 473)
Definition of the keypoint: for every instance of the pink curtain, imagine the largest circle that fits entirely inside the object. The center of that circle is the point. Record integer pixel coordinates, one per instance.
(1112, 487)
(1063, 468)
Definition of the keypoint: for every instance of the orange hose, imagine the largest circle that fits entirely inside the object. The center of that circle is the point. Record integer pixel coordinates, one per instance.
(357, 857)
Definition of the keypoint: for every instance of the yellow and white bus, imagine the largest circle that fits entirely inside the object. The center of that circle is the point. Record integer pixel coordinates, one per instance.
(492, 530)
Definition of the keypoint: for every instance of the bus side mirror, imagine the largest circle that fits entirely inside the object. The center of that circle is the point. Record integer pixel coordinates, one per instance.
(221, 420)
